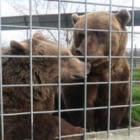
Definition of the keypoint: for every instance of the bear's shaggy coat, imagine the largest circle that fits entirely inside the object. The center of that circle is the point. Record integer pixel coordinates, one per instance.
(16, 99)
(98, 43)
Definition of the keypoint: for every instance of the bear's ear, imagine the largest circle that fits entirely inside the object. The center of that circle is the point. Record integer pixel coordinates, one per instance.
(123, 17)
(37, 34)
(17, 47)
(74, 18)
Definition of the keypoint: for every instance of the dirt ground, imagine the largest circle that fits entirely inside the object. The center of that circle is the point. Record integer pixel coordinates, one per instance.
(116, 135)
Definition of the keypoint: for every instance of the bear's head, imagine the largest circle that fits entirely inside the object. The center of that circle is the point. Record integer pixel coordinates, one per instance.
(46, 68)
(98, 41)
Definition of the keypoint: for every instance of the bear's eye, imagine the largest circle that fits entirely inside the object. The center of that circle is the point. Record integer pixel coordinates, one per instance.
(81, 36)
(98, 34)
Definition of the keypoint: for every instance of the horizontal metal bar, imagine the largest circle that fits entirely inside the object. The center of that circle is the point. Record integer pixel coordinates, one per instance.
(16, 27)
(24, 27)
(70, 84)
(67, 84)
(68, 110)
(70, 29)
(64, 56)
(133, 105)
(55, 28)
(112, 82)
(112, 106)
(16, 114)
(138, 81)
(70, 136)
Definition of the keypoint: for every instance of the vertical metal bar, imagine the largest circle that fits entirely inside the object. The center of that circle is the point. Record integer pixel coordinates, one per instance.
(59, 69)
(85, 80)
(131, 69)
(109, 84)
(31, 77)
(1, 90)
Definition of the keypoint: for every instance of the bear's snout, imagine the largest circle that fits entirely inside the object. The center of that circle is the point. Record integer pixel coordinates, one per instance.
(82, 73)
(79, 52)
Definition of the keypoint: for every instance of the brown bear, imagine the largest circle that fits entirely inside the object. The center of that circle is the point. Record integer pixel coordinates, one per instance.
(98, 43)
(16, 99)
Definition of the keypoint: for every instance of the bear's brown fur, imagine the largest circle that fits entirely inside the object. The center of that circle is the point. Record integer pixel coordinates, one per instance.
(97, 94)
(44, 71)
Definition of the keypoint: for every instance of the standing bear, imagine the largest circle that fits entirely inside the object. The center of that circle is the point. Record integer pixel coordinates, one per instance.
(17, 98)
(99, 40)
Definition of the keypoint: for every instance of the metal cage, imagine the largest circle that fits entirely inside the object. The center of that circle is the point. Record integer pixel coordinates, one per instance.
(59, 22)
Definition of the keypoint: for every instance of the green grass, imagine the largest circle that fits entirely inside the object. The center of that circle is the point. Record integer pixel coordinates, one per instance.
(136, 93)
(136, 74)
(136, 96)
(136, 113)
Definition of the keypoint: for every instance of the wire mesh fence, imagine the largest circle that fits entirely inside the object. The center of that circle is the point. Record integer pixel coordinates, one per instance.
(88, 103)
(136, 52)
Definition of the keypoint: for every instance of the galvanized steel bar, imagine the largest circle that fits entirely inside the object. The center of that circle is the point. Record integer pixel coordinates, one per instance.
(68, 110)
(67, 84)
(110, 62)
(31, 69)
(1, 88)
(85, 80)
(131, 70)
(51, 56)
(59, 68)
(69, 136)
(70, 29)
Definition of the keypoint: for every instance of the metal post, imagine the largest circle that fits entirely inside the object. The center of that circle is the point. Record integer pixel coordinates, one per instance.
(109, 80)
(85, 81)
(31, 68)
(1, 89)
(59, 69)
(131, 70)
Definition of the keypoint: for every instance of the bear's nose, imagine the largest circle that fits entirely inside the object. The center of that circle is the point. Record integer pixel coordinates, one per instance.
(78, 52)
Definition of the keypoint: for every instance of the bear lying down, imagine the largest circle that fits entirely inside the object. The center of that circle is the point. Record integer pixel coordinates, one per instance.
(44, 70)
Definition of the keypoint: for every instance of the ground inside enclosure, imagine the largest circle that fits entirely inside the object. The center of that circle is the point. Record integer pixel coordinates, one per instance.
(116, 135)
